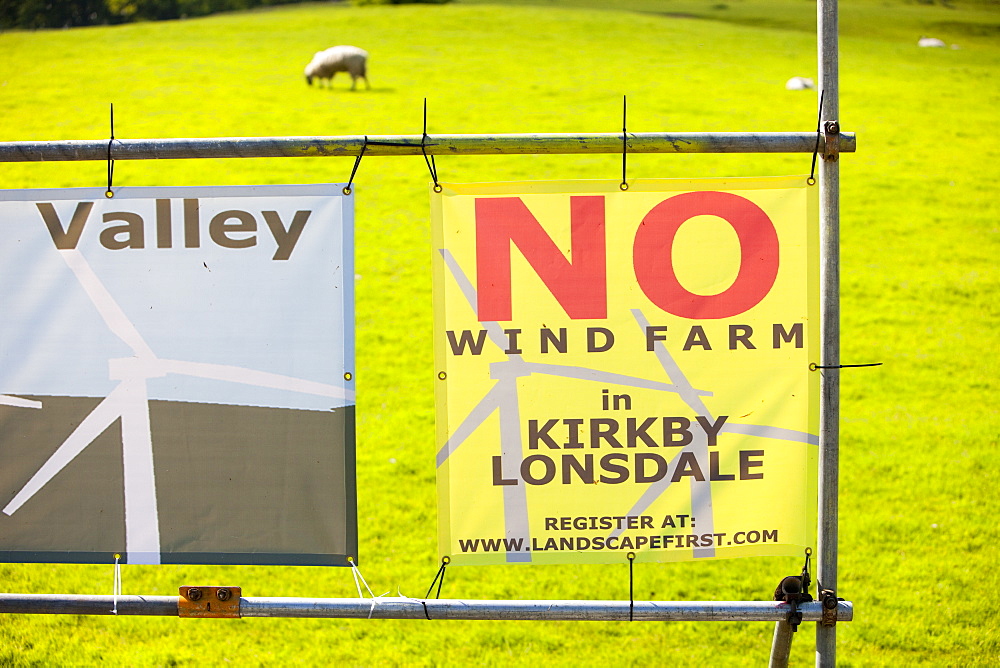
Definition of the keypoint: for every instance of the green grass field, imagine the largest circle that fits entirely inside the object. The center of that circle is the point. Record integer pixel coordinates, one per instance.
(919, 497)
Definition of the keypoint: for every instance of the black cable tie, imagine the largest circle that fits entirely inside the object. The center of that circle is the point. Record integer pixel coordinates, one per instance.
(111, 163)
(440, 574)
(429, 159)
(631, 596)
(813, 366)
(347, 188)
(819, 121)
(624, 183)
(806, 578)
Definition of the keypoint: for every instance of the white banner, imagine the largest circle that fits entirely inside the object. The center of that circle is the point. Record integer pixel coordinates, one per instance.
(176, 375)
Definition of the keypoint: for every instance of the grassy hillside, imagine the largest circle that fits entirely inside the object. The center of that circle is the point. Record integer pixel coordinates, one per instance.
(920, 241)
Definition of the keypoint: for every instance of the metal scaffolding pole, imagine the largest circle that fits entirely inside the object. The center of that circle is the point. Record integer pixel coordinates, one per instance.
(396, 145)
(829, 438)
(433, 609)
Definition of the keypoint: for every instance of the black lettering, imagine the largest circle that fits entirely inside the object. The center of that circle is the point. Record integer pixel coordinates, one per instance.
(220, 229)
(609, 339)
(548, 466)
(687, 465)
(584, 471)
(697, 337)
(713, 468)
(192, 225)
(653, 334)
(607, 464)
(547, 337)
(741, 334)
(512, 347)
(70, 237)
(604, 429)
(132, 229)
(535, 434)
(285, 239)
(781, 334)
(465, 340)
(640, 467)
(498, 478)
(712, 429)
(636, 431)
(746, 464)
(677, 426)
(574, 442)
(164, 233)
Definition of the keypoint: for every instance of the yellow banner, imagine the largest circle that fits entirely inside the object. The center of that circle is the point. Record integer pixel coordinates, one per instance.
(626, 372)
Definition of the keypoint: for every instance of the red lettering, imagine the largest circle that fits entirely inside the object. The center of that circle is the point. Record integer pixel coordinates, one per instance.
(758, 255)
(579, 284)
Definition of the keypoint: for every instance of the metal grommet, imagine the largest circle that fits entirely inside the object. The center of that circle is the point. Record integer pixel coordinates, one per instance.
(108, 193)
(623, 185)
(446, 560)
(811, 181)
(812, 366)
(348, 375)
(347, 191)
(442, 375)
(438, 188)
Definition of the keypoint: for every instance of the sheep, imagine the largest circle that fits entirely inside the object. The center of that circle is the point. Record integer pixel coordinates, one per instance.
(348, 59)
(932, 42)
(800, 83)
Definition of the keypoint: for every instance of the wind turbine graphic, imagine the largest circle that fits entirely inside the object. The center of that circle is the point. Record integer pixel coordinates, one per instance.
(503, 398)
(129, 401)
(18, 402)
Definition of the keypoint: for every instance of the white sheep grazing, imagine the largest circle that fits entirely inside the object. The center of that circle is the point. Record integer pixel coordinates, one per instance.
(348, 59)
(800, 83)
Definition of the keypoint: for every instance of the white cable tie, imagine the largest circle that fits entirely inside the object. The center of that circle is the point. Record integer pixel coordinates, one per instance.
(117, 587)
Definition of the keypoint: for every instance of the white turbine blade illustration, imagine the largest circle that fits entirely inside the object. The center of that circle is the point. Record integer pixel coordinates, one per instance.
(129, 400)
(18, 402)
(99, 419)
(142, 527)
(106, 305)
(235, 374)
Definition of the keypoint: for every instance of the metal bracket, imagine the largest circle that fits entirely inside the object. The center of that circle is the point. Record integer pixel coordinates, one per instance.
(209, 602)
(831, 148)
(829, 599)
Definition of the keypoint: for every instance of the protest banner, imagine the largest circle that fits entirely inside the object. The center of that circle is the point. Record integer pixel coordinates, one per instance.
(176, 375)
(626, 372)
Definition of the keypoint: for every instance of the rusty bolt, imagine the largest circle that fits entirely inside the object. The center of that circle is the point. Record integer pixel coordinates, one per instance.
(224, 594)
(832, 127)
(830, 602)
(194, 594)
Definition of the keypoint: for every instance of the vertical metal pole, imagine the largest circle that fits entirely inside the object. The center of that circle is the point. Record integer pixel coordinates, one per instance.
(829, 185)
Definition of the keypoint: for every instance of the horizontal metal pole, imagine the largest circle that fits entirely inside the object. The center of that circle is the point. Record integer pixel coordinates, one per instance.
(73, 604)
(304, 147)
(439, 609)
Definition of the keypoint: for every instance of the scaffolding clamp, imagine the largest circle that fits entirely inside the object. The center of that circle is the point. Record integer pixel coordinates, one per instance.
(829, 599)
(209, 602)
(831, 135)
